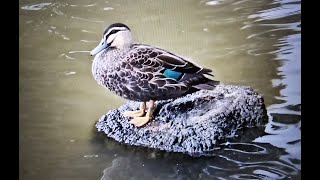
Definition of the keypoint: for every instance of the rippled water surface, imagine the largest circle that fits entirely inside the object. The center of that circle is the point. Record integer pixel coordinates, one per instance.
(253, 43)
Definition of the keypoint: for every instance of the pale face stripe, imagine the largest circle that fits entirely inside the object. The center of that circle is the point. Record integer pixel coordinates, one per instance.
(115, 28)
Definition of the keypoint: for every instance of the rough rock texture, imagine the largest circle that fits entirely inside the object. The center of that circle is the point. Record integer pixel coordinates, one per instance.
(195, 123)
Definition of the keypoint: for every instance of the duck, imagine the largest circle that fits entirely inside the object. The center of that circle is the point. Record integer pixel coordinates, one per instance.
(144, 73)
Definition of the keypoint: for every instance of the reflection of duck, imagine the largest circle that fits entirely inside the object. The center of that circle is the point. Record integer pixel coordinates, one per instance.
(144, 73)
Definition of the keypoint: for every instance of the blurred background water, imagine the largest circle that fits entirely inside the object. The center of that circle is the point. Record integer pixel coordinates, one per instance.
(254, 43)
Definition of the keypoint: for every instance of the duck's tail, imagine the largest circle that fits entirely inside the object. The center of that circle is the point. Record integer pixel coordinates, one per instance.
(199, 81)
(210, 85)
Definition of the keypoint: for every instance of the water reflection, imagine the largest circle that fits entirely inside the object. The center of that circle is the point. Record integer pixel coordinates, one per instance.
(246, 42)
(236, 161)
(36, 7)
(284, 128)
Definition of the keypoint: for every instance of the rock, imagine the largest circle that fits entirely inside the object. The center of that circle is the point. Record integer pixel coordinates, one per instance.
(193, 124)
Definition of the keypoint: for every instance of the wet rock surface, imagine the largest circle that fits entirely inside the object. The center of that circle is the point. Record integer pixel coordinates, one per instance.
(192, 124)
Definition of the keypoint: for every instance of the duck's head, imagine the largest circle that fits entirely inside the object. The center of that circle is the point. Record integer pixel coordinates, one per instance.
(116, 35)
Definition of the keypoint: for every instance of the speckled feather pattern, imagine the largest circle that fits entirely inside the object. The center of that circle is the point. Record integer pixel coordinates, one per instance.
(136, 73)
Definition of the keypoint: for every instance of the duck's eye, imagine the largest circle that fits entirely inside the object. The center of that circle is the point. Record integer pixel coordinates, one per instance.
(114, 31)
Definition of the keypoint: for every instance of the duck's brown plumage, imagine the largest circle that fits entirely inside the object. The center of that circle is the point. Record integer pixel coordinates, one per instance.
(137, 73)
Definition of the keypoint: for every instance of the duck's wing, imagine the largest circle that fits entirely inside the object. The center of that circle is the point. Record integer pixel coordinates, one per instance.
(153, 73)
(150, 56)
(165, 72)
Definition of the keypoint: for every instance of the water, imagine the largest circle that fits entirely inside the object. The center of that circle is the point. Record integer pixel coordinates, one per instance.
(253, 43)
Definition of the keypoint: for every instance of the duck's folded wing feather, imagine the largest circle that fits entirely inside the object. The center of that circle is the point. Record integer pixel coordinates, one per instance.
(157, 57)
(149, 64)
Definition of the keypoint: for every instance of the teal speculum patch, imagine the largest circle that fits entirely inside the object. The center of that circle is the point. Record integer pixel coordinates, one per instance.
(172, 74)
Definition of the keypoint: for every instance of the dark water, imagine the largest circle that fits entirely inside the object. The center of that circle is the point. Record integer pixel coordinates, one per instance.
(253, 43)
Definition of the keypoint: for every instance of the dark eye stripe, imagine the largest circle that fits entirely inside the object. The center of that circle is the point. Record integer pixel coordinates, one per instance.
(112, 32)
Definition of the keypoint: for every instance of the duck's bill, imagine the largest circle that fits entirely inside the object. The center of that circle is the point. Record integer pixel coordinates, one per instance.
(102, 45)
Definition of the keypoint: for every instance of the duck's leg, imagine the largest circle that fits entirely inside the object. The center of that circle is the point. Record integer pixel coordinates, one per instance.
(136, 113)
(140, 121)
